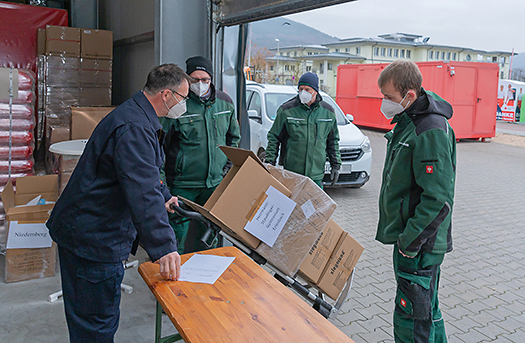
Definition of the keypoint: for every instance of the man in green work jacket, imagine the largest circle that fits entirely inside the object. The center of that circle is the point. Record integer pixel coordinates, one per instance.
(306, 131)
(416, 199)
(194, 163)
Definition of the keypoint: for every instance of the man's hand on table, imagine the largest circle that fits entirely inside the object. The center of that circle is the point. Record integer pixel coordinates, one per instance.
(170, 266)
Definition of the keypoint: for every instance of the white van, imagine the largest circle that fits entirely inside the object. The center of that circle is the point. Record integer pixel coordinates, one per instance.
(262, 102)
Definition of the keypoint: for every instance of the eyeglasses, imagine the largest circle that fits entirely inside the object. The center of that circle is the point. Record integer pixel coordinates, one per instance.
(205, 80)
(184, 98)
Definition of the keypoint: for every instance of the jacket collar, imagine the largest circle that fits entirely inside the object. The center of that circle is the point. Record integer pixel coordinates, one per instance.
(148, 109)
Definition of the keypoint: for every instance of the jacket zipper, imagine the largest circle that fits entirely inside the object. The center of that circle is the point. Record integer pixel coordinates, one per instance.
(401, 211)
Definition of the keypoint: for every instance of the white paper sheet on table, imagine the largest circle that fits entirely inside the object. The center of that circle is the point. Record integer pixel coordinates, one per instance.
(204, 268)
(269, 220)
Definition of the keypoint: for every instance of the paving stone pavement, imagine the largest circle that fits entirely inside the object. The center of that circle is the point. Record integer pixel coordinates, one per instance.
(482, 290)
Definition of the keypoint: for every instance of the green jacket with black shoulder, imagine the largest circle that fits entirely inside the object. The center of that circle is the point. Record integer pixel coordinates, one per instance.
(417, 191)
(191, 145)
(306, 136)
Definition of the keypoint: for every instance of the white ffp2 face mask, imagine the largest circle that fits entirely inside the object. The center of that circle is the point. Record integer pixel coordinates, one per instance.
(177, 110)
(390, 108)
(199, 88)
(305, 96)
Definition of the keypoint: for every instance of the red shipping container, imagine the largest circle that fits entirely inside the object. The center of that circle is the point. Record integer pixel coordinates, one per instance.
(470, 87)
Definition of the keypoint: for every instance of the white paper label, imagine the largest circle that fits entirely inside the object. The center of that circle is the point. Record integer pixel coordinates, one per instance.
(269, 220)
(22, 236)
(308, 208)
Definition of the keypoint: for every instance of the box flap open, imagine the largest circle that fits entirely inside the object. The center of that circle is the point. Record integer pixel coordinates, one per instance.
(238, 156)
(8, 196)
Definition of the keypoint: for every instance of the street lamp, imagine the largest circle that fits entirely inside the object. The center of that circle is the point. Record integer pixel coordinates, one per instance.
(277, 40)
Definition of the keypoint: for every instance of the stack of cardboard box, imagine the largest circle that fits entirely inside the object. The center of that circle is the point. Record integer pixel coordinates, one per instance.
(75, 69)
(30, 253)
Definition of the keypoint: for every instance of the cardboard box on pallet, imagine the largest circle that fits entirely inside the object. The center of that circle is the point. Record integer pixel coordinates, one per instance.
(97, 44)
(340, 266)
(62, 41)
(320, 253)
(29, 263)
(239, 195)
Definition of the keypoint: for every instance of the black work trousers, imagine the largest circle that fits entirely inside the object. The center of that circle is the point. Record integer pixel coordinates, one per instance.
(91, 292)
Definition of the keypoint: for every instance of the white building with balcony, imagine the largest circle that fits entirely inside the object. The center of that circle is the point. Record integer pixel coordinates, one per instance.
(323, 60)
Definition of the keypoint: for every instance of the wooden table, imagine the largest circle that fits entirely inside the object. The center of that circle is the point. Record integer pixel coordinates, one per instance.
(246, 304)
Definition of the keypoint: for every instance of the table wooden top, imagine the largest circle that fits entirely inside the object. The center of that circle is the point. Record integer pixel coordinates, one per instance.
(246, 304)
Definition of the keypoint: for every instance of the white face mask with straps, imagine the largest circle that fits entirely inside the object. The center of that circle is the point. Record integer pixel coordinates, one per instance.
(200, 88)
(305, 96)
(390, 108)
(176, 110)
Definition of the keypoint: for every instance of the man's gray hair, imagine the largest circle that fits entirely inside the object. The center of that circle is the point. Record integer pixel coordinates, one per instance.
(165, 76)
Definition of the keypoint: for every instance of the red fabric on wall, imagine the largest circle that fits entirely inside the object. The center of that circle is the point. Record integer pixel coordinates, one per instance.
(18, 32)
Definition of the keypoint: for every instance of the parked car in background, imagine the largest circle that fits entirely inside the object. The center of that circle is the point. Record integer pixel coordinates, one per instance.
(262, 102)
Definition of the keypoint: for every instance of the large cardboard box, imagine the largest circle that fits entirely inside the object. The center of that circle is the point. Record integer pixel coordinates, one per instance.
(62, 48)
(62, 41)
(313, 210)
(319, 254)
(96, 73)
(340, 267)
(65, 33)
(239, 195)
(85, 119)
(97, 44)
(31, 263)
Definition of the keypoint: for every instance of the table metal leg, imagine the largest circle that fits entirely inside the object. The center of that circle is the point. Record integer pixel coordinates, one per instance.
(158, 329)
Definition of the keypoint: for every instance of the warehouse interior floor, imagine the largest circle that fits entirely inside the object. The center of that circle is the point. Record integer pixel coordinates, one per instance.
(27, 316)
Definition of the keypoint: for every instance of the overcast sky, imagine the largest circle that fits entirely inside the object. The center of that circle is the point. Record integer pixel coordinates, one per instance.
(479, 24)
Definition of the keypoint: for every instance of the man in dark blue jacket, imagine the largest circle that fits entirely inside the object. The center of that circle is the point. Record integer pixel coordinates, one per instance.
(115, 194)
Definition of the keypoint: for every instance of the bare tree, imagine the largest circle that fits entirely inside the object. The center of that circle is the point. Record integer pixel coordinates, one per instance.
(259, 65)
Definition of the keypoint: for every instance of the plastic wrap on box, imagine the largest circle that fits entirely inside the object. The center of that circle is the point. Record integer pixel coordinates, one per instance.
(22, 152)
(62, 97)
(27, 264)
(18, 111)
(313, 210)
(61, 71)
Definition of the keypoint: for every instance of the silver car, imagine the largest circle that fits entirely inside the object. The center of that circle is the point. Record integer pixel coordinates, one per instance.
(262, 102)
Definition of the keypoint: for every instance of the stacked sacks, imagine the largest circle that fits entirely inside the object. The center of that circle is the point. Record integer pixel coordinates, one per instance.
(17, 122)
